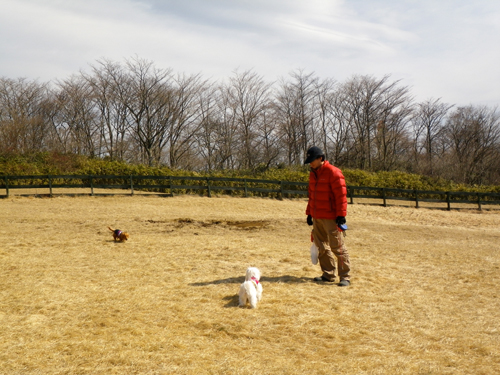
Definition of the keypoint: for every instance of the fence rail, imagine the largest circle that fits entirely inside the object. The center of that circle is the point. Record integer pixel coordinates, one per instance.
(167, 185)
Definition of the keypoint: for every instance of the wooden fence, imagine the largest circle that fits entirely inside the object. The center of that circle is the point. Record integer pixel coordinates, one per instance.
(168, 185)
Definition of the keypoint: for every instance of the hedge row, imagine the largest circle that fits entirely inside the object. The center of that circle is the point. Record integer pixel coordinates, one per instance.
(68, 164)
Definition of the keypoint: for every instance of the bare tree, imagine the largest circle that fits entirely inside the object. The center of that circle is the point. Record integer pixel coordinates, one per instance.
(24, 126)
(77, 120)
(184, 118)
(248, 96)
(269, 138)
(206, 138)
(326, 119)
(226, 128)
(114, 120)
(341, 134)
(371, 103)
(428, 124)
(474, 136)
(146, 93)
(392, 138)
(295, 103)
(333, 121)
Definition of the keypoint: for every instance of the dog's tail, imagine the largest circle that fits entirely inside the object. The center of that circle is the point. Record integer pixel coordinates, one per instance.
(112, 230)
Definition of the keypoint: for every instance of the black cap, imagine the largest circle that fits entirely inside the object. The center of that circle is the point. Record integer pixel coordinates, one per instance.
(313, 153)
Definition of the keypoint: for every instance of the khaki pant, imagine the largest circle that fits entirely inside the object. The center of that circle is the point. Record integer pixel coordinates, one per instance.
(330, 242)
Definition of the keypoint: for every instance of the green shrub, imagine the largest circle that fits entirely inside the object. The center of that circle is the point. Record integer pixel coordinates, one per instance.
(69, 164)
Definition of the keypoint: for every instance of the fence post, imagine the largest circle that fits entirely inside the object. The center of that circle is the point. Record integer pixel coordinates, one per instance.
(170, 185)
(383, 196)
(50, 185)
(246, 189)
(131, 186)
(6, 186)
(281, 189)
(448, 200)
(416, 198)
(351, 194)
(479, 201)
(208, 188)
(91, 185)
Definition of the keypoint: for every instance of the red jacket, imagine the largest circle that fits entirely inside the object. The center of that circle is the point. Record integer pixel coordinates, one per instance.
(327, 193)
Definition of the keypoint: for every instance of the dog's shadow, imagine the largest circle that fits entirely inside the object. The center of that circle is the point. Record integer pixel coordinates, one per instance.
(233, 300)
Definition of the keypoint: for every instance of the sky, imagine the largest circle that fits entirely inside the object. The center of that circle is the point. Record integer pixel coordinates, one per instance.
(446, 49)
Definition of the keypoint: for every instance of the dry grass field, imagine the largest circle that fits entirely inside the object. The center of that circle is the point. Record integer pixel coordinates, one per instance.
(424, 297)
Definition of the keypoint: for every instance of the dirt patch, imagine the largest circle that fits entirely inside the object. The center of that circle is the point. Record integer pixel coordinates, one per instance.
(180, 223)
(229, 224)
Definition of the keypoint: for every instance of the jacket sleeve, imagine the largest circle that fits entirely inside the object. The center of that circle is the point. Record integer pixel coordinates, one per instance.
(339, 190)
(308, 208)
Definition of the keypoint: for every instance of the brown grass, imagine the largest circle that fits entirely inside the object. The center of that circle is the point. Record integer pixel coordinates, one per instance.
(424, 297)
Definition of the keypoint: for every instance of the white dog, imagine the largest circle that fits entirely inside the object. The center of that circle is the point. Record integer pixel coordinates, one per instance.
(251, 289)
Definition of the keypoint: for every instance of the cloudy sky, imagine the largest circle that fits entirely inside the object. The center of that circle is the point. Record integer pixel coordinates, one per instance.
(448, 49)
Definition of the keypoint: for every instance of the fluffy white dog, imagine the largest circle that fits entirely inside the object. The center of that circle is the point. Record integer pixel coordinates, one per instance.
(251, 289)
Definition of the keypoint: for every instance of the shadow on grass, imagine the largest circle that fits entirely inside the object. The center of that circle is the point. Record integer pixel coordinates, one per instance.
(233, 299)
(264, 279)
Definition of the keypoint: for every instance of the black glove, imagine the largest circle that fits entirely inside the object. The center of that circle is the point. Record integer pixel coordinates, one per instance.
(309, 220)
(340, 220)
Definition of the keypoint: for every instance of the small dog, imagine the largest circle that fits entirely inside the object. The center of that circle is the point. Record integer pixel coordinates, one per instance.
(251, 289)
(119, 235)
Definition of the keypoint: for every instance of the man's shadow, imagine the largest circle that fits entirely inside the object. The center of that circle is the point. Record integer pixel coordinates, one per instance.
(233, 299)
(264, 279)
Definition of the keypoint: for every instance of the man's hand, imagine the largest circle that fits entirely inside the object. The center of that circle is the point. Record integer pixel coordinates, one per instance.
(340, 220)
(309, 220)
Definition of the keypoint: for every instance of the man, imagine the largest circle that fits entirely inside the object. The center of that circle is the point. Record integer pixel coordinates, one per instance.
(326, 211)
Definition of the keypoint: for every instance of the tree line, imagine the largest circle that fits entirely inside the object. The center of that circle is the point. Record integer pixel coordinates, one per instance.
(138, 113)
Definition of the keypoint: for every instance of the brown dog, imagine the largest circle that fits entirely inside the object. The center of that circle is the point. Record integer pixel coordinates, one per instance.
(119, 235)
